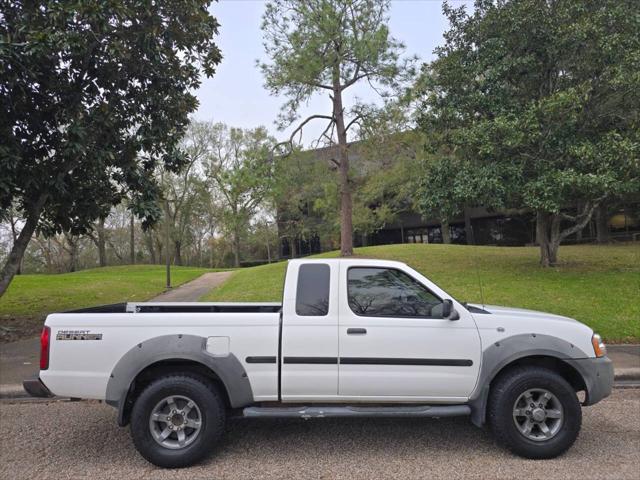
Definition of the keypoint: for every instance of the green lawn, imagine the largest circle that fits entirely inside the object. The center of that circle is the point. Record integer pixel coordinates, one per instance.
(598, 285)
(30, 297)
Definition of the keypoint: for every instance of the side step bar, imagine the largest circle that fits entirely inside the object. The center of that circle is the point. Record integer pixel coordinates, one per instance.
(355, 411)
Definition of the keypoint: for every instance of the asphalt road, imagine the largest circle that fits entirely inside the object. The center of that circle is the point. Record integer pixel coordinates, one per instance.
(81, 440)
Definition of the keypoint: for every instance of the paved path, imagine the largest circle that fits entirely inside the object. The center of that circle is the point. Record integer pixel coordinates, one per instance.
(193, 290)
(21, 359)
(81, 440)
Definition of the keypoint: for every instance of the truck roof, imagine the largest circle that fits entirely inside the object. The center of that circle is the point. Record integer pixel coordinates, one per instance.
(351, 261)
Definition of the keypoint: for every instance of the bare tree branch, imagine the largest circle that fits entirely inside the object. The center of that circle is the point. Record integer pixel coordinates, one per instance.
(581, 219)
(325, 135)
(356, 120)
(299, 129)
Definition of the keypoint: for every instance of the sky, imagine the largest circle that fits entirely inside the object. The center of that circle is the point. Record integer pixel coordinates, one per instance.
(236, 95)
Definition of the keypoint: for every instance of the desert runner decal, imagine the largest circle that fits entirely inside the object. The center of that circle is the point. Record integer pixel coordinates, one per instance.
(77, 335)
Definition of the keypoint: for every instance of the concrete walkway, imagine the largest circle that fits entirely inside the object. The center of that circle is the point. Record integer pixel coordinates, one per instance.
(193, 290)
(21, 359)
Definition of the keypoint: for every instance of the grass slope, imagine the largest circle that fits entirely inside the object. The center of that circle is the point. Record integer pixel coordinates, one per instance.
(598, 285)
(31, 297)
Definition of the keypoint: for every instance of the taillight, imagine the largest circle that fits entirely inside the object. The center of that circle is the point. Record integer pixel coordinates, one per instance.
(45, 338)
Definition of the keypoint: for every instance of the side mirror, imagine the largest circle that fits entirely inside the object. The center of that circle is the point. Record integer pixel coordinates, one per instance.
(448, 310)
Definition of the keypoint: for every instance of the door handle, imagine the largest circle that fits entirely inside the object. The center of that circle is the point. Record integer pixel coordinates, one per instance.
(356, 331)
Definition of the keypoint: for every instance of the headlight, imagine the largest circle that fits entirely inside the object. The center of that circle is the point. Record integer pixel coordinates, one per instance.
(599, 347)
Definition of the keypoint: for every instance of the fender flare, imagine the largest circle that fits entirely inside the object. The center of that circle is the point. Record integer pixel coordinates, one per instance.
(176, 347)
(506, 351)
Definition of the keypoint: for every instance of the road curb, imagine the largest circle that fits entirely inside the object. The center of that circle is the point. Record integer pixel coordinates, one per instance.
(12, 391)
(627, 374)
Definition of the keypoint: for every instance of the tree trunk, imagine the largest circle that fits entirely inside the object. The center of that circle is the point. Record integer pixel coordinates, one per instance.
(346, 206)
(45, 246)
(18, 248)
(132, 241)
(14, 236)
(177, 259)
(159, 247)
(468, 227)
(199, 251)
(602, 225)
(167, 244)
(292, 247)
(101, 244)
(152, 251)
(446, 232)
(268, 252)
(236, 247)
(73, 253)
(548, 237)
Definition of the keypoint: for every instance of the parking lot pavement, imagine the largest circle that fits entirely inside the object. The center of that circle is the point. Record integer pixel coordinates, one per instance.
(81, 440)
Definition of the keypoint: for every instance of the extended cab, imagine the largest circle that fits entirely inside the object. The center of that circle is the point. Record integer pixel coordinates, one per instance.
(352, 337)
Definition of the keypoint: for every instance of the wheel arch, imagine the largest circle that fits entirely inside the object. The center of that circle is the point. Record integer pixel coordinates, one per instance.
(522, 350)
(169, 354)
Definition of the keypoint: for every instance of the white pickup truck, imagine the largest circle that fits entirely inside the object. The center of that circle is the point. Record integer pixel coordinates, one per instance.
(352, 338)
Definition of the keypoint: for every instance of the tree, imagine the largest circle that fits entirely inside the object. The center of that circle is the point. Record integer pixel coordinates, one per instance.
(447, 184)
(303, 197)
(184, 191)
(541, 101)
(97, 236)
(390, 152)
(328, 46)
(94, 94)
(239, 163)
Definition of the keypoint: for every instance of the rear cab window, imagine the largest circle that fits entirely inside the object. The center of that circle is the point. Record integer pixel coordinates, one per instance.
(312, 293)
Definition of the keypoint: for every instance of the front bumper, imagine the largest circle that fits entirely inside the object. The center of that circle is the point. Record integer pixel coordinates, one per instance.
(35, 388)
(598, 377)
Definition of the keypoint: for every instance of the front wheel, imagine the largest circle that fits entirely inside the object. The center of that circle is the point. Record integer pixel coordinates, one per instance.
(176, 420)
(534, 412)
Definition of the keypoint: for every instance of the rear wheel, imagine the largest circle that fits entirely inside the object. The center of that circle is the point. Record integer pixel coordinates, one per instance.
(176, 420)
(534, 412)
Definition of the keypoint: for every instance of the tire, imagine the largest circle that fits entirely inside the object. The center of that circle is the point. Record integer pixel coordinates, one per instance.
(192, 434)
(518, 427)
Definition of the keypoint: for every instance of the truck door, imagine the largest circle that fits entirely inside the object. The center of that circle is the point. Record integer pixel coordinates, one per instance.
(309, 344)
(394, 343)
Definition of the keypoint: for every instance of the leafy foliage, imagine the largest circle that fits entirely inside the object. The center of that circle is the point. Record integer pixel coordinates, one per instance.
(541, 101)
(304, 197)
(94, 94)
(240, 164)
(314, 44)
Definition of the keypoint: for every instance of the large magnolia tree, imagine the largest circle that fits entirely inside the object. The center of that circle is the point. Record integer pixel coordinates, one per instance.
(94, 94)
(539, 105)
(327, 47)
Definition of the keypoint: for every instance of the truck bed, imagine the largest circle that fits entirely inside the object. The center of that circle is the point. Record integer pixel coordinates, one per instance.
(87, 345)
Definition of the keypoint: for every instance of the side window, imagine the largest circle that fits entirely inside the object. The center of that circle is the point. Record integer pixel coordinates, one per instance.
(386, 292)
(312, 295)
